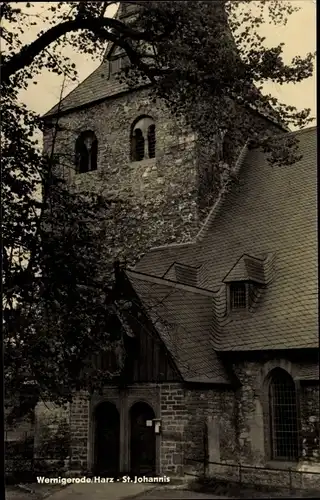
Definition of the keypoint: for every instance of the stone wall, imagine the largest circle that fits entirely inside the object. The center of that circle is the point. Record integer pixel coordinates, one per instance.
(195, 423)
(250, 418)
(159, 195)
(309, 414)
(160, 200)
(184, 414)
(79, 428)
(253, 431)
(174, 413)
(226, 426)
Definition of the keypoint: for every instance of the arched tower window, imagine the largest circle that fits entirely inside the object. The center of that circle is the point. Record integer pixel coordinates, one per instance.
(143, 139)
(86, 152)
(283, 416)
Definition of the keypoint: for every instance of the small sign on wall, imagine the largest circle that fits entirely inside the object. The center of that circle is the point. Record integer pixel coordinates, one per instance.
(149, 423)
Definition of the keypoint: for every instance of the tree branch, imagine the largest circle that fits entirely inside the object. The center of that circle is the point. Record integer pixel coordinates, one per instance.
(27, 54)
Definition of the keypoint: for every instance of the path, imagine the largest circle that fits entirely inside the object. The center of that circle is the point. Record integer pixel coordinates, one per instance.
(161, 493)
(112, 491)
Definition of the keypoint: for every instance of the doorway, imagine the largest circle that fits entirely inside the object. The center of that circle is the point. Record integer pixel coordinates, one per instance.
(143, 440)
(107, 440)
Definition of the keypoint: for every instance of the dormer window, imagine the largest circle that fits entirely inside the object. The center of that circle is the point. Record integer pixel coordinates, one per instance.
(238, 296)
(118, 63)
(247, 280)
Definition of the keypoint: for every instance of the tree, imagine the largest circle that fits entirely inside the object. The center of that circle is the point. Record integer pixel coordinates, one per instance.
(206, 61)
(57, 312)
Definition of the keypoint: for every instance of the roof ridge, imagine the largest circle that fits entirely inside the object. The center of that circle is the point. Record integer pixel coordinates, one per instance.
(302, 131)
(182, 286)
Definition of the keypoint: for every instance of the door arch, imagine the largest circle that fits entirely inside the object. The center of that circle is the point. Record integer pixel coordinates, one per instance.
(107, 440)
(143, 440)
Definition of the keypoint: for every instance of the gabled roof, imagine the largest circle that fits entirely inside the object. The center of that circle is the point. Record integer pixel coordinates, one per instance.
(272, 211)
(183, 317)
(183, 274)
(97, 87)
(249, 268)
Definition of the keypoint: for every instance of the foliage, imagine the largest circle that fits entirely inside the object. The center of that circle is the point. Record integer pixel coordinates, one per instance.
(207, 62)
(18, 459)
(57, 310)
(54, 441)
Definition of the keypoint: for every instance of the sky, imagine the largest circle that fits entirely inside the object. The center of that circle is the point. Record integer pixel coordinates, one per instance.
(299, 36)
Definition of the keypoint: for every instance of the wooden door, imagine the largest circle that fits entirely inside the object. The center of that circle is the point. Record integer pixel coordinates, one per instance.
(107, 440)
(143, 440)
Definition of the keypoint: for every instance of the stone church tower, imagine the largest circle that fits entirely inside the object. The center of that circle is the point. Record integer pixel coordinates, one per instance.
(117, 142)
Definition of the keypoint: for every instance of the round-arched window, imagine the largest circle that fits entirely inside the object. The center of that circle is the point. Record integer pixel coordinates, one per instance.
(86, 152)
(143, 139)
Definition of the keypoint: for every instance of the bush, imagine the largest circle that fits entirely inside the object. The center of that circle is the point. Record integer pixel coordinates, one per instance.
(19, 460)
(54, 449)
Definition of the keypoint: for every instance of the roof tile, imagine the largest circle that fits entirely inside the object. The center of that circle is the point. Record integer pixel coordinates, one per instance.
(272, 211)
(183, 319)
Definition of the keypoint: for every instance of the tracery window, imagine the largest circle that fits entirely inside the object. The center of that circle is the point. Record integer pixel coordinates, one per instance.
(86, 152)
(283, 416)
(143, 139)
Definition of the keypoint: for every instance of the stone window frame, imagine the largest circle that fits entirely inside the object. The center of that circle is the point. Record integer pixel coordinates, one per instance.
(146, 126)
(81, 149)
(263, 384)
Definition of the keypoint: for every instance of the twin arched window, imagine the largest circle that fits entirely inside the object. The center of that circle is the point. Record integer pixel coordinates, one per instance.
(283, 416)
(143, 139)
(143, 145)
(86, 152)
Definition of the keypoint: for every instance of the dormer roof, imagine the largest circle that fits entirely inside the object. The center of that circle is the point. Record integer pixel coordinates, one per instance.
(253, 269)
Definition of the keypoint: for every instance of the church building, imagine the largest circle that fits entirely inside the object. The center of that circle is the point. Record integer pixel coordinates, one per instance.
(224, 342)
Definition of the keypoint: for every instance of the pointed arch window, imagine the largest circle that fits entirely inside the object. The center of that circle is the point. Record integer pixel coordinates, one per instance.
(86, 152)
(143, 139)
(283, 416)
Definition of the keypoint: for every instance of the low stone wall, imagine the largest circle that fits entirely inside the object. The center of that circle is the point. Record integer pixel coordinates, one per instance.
(304, 477)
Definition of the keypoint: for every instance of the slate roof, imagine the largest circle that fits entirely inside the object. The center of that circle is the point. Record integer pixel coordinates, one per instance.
(183, 317)
(249, 268)
(273, 211)
(183, 274)
(97, 87)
